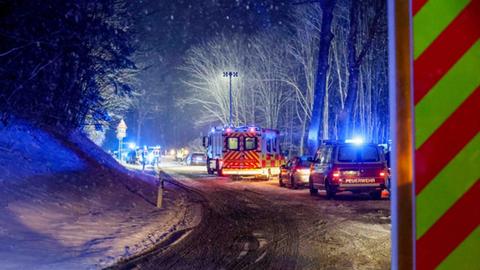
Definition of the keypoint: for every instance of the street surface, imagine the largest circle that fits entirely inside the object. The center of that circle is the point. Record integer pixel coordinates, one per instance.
(251, 224)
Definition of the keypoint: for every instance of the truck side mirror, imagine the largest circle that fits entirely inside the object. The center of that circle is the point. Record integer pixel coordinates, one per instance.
(205, 141)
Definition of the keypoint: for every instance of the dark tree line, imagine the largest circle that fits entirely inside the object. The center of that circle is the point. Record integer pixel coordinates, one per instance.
(64, 62)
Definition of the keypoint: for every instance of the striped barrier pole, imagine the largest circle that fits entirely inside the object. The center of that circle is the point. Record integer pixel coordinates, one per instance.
(446, 55)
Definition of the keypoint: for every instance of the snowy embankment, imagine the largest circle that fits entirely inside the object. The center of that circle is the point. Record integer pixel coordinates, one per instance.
(66, 204)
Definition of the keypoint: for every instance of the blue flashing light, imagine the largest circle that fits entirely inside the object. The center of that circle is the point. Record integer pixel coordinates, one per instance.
(356, 140)
(132, 145)
(150, 157)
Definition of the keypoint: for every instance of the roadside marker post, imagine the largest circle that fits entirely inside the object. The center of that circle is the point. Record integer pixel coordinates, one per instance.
(434, 70)
(161, 187)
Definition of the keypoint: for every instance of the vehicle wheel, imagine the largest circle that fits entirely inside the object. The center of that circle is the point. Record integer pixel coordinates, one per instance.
(376, 195)
(313, 191)
(329, 190)
(209, 170)
(280, 182)
(388, 184)
(217, 168)
(293, 184)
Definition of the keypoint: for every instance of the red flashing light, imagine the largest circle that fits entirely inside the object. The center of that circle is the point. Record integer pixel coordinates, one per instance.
(252, 129)
(229, 130)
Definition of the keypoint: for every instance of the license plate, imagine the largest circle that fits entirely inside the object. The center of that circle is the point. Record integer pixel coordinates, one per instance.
(351, 173)
(360, 181)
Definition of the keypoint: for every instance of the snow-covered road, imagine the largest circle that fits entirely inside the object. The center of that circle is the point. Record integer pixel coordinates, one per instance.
(258, 225)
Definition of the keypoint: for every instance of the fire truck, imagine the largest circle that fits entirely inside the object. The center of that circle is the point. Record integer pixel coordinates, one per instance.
(243, 151)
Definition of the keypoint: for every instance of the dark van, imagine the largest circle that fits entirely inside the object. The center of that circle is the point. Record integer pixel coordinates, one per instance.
(350, 167)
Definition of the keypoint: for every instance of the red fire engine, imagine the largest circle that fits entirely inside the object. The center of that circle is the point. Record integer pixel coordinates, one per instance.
(243, 151)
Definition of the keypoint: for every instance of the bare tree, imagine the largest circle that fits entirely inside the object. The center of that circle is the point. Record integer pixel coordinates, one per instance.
(267, 73)
(355, 60)
(204, 66)
(303, 48)
(326, 36)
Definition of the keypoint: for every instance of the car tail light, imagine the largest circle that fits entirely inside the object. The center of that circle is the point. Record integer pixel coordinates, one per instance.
(336, 174)
(382, 174)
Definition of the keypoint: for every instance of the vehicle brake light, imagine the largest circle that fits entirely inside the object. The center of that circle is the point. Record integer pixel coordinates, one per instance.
(336, 174)
(382, 174)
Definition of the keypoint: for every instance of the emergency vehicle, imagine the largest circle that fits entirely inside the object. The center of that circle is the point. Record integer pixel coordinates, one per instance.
(243, 151)
(349, 165)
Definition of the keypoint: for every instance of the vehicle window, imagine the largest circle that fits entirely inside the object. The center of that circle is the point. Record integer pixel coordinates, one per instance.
(323, 155)
(358, 154)
(368, 154)
(294, 161)
(250, 143)
(347, 153)
(232, 143)
(328, 154)
(316, 156)
(269, 145)
(303, 163)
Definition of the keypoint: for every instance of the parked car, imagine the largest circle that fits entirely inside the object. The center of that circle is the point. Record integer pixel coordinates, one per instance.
(295, 172)
(131, 157)
(350, 167)
(196, 159)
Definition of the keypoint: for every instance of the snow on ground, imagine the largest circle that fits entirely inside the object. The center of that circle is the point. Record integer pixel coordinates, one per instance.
(66, 204)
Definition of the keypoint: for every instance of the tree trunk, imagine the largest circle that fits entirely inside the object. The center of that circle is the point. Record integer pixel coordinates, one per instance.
(302, 137)
(325, 113)
(355, 61)
(326, 36)
(347, 113)
(139, 129)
